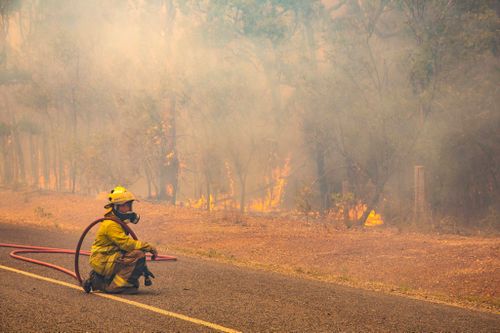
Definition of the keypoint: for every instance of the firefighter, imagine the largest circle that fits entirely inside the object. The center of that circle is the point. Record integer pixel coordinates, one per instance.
(117, 260)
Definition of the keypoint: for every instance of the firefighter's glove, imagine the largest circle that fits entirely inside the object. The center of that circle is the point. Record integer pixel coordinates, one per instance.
(154, 253)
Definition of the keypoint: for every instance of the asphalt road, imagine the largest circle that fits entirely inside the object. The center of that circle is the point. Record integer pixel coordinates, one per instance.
(232, 297)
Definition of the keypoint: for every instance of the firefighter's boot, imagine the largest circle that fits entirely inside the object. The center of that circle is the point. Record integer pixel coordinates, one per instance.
(87, 285)
(95, 282)
(147, 276)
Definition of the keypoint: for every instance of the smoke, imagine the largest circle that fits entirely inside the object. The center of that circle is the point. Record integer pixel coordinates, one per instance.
(184, 99)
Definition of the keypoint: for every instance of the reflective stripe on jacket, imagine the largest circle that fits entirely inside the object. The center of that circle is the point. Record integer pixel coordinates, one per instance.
(110, 242)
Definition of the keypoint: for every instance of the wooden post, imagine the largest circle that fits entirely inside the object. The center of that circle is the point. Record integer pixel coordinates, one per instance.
(419, 210)
(346, 206)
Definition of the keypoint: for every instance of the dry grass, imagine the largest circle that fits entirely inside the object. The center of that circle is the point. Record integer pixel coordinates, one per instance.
(458, 270)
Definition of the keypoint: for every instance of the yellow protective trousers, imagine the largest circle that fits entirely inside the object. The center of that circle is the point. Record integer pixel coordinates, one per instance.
(129, 267)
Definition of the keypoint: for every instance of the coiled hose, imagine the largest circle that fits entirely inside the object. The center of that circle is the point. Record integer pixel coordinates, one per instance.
(77, 252)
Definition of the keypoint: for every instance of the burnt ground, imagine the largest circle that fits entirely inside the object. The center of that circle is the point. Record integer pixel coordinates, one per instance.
(239, 298)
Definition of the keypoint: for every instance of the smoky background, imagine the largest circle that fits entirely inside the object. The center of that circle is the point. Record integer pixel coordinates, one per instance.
(320, 108)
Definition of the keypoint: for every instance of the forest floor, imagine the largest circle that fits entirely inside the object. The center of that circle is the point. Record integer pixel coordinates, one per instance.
(458, 270)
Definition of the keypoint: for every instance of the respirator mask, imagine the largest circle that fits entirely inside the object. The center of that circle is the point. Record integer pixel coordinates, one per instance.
(127, 217)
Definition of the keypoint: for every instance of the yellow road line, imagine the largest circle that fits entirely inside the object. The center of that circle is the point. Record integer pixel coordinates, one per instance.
(127, 301)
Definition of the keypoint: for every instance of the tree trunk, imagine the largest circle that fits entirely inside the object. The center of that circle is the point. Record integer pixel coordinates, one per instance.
(173, 165)
(46, 137)
(74, 113)
(58, 167)
(8, 161)
(372, 204)
(34, 153)
(163, 162)
(323, 185)
(242, 194)
(169, 162)
(346, 192)
(19, 157)
(2, 160)
(54, 174)
(72, 154)
(208, 196)
(162, 179)
(149, 177)
(73, 177)
(46, 162)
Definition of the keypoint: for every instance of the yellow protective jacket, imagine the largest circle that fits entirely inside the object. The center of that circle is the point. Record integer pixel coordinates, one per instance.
(109, 244)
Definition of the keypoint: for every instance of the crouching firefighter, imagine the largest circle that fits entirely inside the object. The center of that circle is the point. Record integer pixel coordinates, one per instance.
(117, 260)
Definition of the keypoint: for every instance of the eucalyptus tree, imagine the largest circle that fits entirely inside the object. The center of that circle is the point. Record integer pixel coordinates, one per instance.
(395, 56)
(259, 35)
(456, 51)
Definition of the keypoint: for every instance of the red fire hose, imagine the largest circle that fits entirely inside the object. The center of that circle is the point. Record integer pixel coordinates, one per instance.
(77, 252)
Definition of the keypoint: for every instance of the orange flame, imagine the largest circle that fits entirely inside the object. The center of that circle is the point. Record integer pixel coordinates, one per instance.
(355, 212)
(275, 190)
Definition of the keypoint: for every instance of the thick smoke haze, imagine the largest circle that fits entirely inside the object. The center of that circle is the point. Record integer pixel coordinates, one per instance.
(261, 106)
